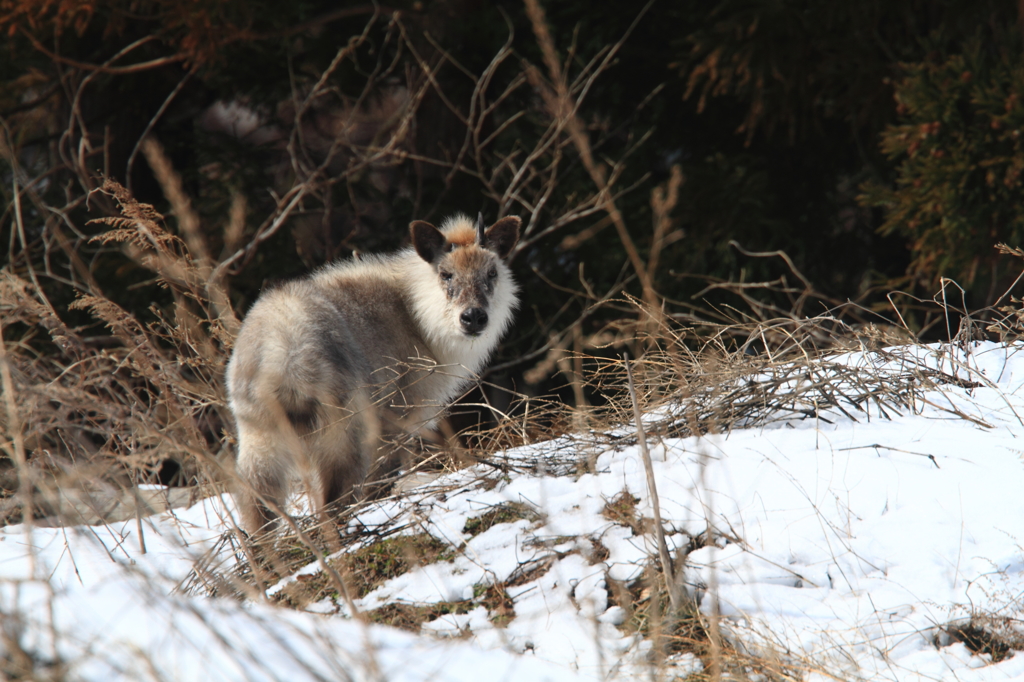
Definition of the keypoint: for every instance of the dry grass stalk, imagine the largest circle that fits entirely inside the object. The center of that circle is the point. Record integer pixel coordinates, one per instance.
(16, 447)
(659, 529)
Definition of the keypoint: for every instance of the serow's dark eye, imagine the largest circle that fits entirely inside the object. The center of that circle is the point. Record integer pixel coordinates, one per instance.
(492, 273)
(446, 276)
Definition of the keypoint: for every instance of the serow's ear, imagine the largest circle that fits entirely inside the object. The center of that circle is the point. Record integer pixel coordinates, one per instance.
(428, 241)
(503, 235)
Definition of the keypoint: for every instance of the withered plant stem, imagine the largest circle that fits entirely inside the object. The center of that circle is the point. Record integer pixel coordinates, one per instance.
(18, 445)
(659, 531)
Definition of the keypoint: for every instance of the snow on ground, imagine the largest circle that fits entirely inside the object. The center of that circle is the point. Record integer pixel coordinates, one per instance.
(847, 545)
(113, 613)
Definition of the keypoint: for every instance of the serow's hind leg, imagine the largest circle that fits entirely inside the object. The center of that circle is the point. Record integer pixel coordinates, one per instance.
(342, 456)
(340, 481)
(261, 488)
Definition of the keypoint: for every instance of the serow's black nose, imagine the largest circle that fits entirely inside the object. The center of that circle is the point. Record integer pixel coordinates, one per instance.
(473, 320)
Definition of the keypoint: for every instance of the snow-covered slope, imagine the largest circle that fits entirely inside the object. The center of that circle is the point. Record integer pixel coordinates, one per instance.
(848, 548)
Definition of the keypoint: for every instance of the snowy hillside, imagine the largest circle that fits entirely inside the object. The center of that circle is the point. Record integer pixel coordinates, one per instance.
(858, 542)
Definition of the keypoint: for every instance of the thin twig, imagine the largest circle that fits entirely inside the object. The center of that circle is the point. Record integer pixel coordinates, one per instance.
(876, 446)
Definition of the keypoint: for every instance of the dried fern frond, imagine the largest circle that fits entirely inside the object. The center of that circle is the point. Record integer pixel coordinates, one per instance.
(138, 224)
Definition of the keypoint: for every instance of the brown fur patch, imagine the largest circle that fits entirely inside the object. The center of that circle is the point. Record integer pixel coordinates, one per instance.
(461, 234)
(468, 258)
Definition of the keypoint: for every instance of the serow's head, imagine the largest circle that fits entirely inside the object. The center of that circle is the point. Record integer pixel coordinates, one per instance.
(468, 261)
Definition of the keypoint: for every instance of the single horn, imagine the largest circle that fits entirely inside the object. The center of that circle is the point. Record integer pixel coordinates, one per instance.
(480, 228)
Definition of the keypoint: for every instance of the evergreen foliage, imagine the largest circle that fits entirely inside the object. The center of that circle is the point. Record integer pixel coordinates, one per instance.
(959, 155)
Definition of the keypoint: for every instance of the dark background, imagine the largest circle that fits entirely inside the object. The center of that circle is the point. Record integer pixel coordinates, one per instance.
(875, 143)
